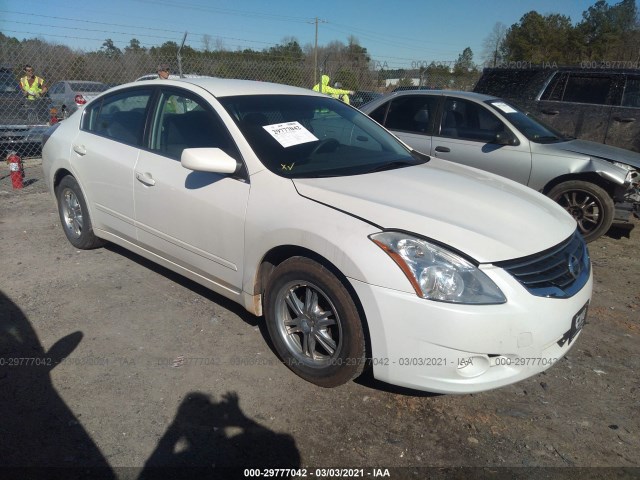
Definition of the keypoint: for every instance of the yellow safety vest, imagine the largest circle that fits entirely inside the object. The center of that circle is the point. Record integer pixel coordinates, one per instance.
(35, 89)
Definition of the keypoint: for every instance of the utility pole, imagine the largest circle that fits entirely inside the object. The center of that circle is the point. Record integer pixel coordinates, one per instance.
(315, 52)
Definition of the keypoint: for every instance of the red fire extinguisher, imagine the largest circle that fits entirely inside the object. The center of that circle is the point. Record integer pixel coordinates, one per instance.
(16, 168)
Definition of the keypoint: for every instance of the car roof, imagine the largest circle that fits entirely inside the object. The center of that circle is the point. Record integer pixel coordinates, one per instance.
(478, 97)
(91, 82)
(172, 76)
(224, 87)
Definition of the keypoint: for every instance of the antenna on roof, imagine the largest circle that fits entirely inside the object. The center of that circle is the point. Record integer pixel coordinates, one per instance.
(180, 56)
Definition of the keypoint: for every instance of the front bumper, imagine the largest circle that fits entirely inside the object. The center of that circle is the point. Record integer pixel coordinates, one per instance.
(449, 348)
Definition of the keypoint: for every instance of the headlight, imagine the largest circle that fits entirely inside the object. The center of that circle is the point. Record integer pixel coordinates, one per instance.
(436, 273)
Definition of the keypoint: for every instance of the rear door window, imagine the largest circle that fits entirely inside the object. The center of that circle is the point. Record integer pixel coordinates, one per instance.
(580, 88)
(412, 113)
(120, 116)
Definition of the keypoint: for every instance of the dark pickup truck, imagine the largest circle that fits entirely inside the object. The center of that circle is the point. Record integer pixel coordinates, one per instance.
(22, 121)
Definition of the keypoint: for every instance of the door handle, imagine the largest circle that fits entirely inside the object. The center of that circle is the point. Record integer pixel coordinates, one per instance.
(442, 149)
(624, 119)
(551, 112)
(145, 178)
(80, 149)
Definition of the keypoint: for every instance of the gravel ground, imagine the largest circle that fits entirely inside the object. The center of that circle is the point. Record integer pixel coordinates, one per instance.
(151, 370)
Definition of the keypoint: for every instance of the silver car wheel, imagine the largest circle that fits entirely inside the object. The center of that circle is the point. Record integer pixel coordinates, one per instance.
(72, 213)
(590, 205)
(308, 323)
(586, 209)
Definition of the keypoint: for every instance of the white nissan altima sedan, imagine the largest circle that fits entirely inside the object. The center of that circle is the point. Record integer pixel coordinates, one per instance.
(357, 250)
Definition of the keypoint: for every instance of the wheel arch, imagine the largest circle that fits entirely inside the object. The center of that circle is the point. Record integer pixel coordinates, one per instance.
(279, 254)
(63, 172)
(59, 175)
(590, 177)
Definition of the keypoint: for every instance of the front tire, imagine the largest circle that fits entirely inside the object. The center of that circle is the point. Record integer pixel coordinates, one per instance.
(74, 215)
(590, 205)
(314, 324)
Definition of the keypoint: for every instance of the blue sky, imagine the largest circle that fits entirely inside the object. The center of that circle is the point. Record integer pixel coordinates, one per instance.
(397, 33)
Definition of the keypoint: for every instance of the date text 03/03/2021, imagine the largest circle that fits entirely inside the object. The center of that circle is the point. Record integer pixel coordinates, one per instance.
(319, 473)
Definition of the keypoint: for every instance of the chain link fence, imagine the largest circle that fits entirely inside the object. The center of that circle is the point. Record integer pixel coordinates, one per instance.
(68, 73)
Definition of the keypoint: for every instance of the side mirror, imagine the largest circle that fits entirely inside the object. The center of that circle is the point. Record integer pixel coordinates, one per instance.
(506, 138)
(208, 160)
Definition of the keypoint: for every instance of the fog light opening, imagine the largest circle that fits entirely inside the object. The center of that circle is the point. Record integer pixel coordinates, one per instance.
(473, 366)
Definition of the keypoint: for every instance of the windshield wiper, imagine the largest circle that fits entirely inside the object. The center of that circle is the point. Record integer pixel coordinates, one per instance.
(392, 166)
(547, 138)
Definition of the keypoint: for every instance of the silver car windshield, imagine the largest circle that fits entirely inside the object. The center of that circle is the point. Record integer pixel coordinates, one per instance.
(299, 136)
(530, 127)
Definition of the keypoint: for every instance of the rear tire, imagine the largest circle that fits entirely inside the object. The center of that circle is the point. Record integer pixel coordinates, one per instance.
(314, 324)
(590, 205)
(74, 215)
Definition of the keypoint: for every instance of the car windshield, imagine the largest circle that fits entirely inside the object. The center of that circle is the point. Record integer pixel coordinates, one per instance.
(299, 136)
(530, 127)
(88, 87)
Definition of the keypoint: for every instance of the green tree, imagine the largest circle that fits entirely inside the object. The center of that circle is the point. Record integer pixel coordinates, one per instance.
(464, 64)
(405, 82)
(541, 39)
(289, 51)
(109, 49)
(134, 46)
(610, 32)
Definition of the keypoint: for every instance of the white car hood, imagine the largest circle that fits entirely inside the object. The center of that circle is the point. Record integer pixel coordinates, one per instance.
(480, 214)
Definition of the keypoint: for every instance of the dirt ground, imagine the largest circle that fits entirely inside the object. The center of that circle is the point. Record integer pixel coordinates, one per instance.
(147, 369)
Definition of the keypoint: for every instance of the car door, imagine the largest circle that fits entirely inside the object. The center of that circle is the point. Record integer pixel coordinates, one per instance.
(194, 219)
(624, 124)
(467, 134)
(104, 154)
(579, 104)
(410, 118)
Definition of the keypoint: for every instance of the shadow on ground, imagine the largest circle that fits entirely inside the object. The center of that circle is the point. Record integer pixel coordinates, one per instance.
(40, 437)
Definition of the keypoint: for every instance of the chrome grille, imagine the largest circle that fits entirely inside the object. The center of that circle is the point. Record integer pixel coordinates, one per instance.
(558, 272)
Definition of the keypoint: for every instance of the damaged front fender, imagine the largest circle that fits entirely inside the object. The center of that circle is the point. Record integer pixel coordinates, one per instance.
(612, 171)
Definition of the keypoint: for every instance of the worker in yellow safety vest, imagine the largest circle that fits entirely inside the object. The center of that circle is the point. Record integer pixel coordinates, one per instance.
(32, 86)
(334, 92)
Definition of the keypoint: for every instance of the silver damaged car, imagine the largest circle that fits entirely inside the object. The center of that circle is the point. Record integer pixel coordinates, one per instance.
(598, 184)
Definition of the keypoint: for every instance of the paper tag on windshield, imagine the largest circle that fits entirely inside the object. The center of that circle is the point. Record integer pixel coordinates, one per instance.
(290, 133)
(504, 107)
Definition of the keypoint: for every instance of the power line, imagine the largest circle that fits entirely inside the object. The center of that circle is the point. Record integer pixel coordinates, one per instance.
(242, 41)
(229, 11)
(135, 34)
(72, 37)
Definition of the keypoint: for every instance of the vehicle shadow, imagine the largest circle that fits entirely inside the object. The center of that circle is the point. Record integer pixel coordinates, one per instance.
(185, 282)
(39, 435)
(209, 439)
(620, 230)
(367, 380)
